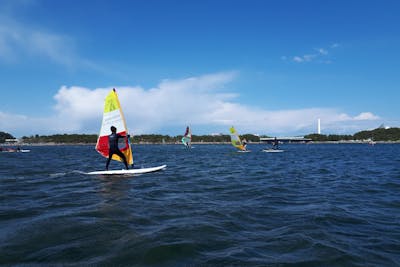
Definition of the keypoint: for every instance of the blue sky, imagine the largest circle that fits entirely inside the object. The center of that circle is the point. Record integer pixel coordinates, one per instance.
(266, 67)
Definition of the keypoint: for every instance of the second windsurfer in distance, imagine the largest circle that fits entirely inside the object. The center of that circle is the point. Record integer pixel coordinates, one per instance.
(275, 144)
(244, 143)
(113, 147)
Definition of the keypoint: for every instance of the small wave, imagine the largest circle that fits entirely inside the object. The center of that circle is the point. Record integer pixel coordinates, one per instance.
(61, 174)
(79, 172)
(58, 174)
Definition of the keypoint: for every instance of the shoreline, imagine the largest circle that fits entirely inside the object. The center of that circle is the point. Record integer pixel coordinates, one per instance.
(205, 143)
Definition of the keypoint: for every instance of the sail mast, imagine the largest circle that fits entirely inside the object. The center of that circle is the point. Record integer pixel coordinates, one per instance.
(120, 111)
(128, 152)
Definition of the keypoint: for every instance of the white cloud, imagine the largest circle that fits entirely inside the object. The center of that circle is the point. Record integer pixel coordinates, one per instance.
(298, 59)
(309, 57)
(57, 48)
(320, 56)
(12, 121)
(204, 102)
(366, 116)
(19, 125)
(18, 41)
(305, 58)
(322, 51)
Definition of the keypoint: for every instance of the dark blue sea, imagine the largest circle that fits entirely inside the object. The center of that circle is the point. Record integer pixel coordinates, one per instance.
(313, 205)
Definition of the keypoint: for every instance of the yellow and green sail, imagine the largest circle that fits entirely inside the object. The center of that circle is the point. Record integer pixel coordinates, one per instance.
(235, 139)
(113, 116)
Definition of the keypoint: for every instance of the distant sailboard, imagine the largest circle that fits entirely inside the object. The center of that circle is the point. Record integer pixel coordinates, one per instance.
(236, 142)
(187, 138)
(270, 150)
(113, 116)
(14, 150)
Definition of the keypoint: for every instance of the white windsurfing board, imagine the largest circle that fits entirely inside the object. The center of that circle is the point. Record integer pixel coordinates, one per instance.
(272, 150)
(16, 151)
(244, 151)
(130, 171)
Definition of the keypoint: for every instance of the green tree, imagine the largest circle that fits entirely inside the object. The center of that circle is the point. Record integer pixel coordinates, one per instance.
(379, 134)
(4, 136)
(251, 137)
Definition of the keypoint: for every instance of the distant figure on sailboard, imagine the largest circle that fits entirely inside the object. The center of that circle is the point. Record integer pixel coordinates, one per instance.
(113, 147)
(244, 143)
(275, 144)
(187, 138)
(236, 142)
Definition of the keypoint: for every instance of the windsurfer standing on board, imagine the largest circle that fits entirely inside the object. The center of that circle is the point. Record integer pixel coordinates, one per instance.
(244, 142)
(113, 147)
(187, 145)
(275, 144)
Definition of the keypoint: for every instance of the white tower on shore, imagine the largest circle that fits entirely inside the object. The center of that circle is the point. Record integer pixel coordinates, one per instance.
(319, 126)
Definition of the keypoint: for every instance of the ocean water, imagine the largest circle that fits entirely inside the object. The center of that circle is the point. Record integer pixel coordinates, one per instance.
(313, 205)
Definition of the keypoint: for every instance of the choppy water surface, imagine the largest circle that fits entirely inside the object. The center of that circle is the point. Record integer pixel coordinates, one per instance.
(313, 205)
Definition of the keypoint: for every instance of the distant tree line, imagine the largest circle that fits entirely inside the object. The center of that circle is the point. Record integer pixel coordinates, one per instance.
(157, 138)
(61, 138)
(379, 134)
(144, 138)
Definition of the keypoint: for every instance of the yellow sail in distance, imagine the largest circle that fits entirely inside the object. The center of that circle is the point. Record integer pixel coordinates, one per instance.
(113, 116)
(235, 139)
